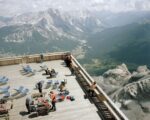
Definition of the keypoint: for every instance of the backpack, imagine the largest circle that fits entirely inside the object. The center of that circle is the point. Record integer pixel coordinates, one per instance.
(66, 92)
(72, 98)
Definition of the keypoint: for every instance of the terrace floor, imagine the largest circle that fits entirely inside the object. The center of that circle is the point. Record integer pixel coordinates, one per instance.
(80, 109)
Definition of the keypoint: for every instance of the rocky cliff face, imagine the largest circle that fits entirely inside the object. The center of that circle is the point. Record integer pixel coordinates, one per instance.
(131, 91)
(117, 76)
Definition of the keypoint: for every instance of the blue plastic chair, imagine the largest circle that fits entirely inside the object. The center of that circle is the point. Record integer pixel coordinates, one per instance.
(4, 90)
(19, 89)
(2, 77)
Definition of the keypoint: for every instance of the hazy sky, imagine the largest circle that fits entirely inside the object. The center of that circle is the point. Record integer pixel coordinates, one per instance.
(16, 7)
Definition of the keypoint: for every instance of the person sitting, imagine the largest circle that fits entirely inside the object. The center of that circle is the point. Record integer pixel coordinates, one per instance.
(62, 86)
(46, 103)
(53, 73)
(47, 71)
(91, 89)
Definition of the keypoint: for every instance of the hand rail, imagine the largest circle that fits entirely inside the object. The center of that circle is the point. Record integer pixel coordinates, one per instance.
(108, 100)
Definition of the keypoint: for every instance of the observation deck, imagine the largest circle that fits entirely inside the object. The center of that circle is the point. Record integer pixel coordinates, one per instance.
(99, 107)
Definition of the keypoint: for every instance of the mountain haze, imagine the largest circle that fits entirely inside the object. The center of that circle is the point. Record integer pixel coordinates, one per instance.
(101, 35)
(99, 38)
(48, 30)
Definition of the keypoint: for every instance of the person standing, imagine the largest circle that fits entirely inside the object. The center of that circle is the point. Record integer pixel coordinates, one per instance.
(72, 69)
(42, 57)
(91, 89)
(53, 98)
(28, 103)
(39, 85)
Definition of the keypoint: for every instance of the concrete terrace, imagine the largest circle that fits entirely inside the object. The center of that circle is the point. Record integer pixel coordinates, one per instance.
(80, 109)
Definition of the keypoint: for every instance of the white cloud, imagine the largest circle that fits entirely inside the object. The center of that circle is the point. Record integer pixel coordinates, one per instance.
(12, 7)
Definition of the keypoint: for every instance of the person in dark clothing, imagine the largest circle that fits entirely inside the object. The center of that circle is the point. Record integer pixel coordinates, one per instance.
(42, 57)
(39, 85)
(53, 73)
(68, 60)
(28, 103)
(47, 71)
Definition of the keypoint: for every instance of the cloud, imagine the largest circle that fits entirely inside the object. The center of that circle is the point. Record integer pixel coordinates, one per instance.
(13, 7)
(122, 5)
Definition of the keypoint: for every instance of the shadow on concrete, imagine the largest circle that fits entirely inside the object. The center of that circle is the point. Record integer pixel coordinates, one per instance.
(23, 113)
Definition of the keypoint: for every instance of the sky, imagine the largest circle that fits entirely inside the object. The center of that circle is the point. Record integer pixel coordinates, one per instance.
(17, 7)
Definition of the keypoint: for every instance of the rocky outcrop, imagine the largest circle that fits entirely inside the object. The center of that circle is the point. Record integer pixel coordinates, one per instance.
(118, 75)
(139, 73)
(130, 91)
(138, 87)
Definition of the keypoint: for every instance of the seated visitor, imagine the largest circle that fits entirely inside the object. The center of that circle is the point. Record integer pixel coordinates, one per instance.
(46, 103)
(52, 73)
(62, 86)
(47, 71)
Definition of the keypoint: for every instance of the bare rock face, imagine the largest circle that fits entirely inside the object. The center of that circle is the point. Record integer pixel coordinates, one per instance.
(139, 90)
(139, 73)
(130, 86)
(131, 91)
(118, 75)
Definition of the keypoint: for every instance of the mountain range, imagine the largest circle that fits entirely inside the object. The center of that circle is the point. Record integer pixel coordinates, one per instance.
(100, 40)
(108, 38)
(49, 30)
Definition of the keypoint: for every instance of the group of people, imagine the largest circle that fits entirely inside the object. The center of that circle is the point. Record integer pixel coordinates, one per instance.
(52, 96)
(42, 101)
(68, 60)
(51, 72)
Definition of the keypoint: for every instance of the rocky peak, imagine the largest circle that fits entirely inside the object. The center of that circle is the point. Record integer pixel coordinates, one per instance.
(118, 73)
